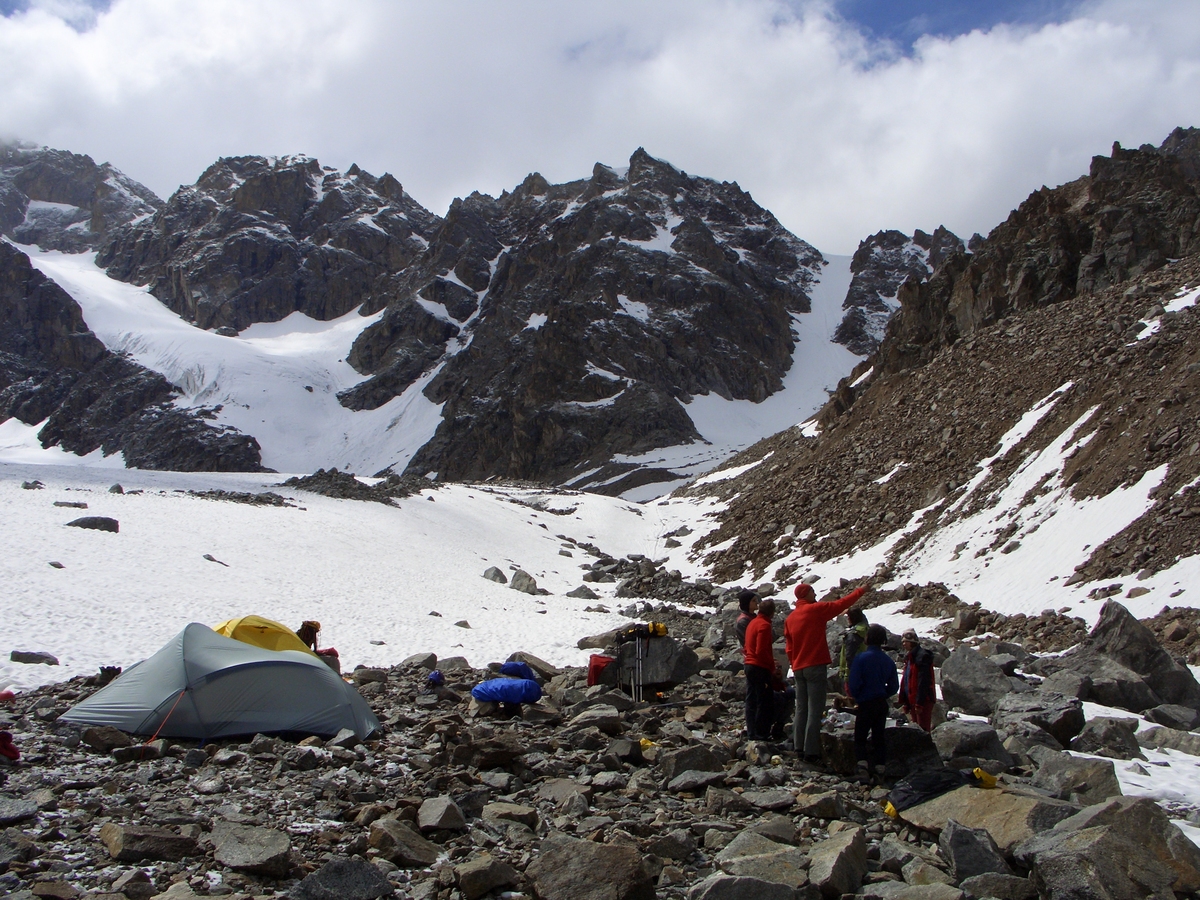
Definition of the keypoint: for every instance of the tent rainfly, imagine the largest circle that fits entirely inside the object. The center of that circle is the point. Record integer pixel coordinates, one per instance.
(261, 632)
(203, 685)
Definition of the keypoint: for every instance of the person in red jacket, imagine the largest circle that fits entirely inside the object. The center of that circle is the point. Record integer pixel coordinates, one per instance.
(917, 693)
(808, 654)
(760, 667)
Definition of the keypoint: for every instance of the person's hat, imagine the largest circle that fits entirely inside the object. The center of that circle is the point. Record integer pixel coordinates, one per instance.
(805, 592)
(910, 635)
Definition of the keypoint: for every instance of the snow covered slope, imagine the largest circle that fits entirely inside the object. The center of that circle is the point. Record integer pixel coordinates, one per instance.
(279, 381)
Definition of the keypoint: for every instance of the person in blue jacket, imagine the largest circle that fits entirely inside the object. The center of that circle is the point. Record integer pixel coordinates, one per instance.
(872, 681)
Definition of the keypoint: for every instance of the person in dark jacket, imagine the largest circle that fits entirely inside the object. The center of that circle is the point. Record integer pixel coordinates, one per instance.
(760, 668)
(872, 681)
(748, 606)
(748, 609)
(917, 691)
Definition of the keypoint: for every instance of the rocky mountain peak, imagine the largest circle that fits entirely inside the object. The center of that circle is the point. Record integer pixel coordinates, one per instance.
(551, 319)
(881, 264)
(65, 201)
(262, 238)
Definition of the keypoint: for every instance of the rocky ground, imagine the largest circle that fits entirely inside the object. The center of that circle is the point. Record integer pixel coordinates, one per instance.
(589, 793)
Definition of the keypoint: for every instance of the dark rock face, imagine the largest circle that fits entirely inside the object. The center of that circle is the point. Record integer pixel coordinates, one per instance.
(256, 239)
(558, 325)
(1132, 213)
(53, 369)
(586, 317)
(882, 263)
(64, 201)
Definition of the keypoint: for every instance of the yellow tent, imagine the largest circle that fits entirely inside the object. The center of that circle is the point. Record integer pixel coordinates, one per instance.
(260, 632)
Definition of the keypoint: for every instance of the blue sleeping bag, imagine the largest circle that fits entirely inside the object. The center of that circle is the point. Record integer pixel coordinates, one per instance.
(507, 690)
(517, 670)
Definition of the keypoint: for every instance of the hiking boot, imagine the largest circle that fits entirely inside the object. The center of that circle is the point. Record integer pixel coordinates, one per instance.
(878, 775)
(862, 773)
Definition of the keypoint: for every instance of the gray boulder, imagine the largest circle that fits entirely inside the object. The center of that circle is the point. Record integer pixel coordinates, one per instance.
(972, 682)
(1093, 862)
(1061, 717)
(132, 843)
(1067, 683)
(1172, 715)
(13, 811)
(401, 845)
(440, 814)
(524, 582)
(970, 851)
(734, 887)
(959, 738)
(483, 874)
(1121, 637)
(33, 658)
(253, 849)
(697, 757)
(838, 865)
(493, 573)
(1107, 736)
(1002, 887)
(343, 879)
(96, 523)
(583, 592)
(665, 663)
(1080, 780)
(1170, 739)
(569, 869)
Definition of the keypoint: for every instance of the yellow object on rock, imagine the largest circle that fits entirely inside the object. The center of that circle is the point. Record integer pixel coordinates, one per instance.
(265, 633)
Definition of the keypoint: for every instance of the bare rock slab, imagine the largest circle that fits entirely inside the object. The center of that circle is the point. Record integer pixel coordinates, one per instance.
(253, 849)
(343, 879)
(568, 869)
(1008, 816)
(129, 843)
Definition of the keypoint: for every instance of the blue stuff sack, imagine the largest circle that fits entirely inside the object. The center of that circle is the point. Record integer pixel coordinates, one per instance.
(507, 690)
(518, 670)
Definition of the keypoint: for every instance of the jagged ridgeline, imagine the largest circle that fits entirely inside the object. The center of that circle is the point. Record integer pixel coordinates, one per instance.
(1069, 299)
(558, 325)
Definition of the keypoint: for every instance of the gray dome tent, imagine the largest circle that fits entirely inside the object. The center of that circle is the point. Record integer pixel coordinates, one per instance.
(204, 685)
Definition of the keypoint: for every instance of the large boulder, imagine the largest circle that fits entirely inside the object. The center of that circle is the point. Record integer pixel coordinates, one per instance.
(1107, 736)
(1170, 739)
(972, 682)
(970, 851)
(343, 879)
(1062, 717)
(1122, 849)
(838, 865)
(1121, 637)
(959, 738)
(908, 748)
(253, 849)
(569, 869)
(1008, 814)
(1075, 778)
(401, 845)
(132, 843)
(739, 887)
(665, 663)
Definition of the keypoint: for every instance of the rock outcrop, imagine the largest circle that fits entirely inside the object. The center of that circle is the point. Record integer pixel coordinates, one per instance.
(55, 371)
(881, 264)
(256, 239)
(64, 201)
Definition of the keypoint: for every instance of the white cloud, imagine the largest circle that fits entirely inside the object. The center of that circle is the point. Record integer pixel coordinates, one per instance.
(837, 136)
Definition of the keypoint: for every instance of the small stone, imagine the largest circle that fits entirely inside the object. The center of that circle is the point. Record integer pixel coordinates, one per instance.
(33, 657)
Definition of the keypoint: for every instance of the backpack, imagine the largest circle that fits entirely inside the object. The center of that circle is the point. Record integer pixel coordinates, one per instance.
(852, 642)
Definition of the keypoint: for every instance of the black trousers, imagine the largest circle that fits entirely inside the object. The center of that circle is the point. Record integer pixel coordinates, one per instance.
(872, 719)
(760, 702)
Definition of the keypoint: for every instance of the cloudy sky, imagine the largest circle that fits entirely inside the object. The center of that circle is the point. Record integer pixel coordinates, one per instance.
(841, 116)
